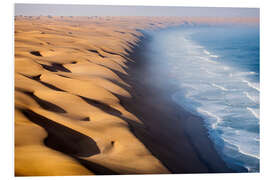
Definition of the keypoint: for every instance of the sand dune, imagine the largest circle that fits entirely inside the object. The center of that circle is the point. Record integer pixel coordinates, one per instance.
(68, 118)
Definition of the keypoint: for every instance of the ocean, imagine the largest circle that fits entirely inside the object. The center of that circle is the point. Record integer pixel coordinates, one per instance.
(217, 75)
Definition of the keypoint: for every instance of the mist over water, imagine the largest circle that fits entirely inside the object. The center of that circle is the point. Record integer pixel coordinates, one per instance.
(217, 72)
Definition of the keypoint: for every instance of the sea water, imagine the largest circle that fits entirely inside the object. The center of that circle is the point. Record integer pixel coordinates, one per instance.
(216, 71)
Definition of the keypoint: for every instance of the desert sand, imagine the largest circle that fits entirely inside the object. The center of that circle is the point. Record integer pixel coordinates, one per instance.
(69, 119)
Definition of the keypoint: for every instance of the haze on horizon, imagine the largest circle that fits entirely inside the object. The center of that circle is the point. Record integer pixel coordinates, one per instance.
(116, 10)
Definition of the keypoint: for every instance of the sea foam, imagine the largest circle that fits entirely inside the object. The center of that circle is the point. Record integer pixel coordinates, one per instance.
(214, 85)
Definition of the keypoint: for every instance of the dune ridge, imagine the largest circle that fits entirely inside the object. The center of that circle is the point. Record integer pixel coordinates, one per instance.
(68, 118)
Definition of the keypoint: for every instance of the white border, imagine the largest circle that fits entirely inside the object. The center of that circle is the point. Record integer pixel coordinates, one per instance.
(7, 11)
(194, 3)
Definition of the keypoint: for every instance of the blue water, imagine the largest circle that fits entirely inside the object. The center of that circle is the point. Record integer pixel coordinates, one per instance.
(217, 72)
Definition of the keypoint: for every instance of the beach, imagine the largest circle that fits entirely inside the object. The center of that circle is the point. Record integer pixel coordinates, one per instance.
(85, 104)
(178, 138)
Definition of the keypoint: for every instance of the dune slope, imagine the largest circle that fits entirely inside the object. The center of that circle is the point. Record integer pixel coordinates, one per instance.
(68, 120)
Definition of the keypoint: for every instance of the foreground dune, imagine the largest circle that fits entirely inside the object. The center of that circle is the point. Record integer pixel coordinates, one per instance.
(68, 117)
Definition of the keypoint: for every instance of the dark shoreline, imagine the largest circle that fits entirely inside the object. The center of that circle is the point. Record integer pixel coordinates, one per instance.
(176, 137)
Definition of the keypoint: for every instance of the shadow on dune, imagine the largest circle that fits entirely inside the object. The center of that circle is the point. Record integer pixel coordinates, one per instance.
(95, 51)
(37, 78)
(104, 107)
(62, 138)
(96, 168)
(35, 53)
(54, 67)
(45, 104)
(112, 53)
(69, 142)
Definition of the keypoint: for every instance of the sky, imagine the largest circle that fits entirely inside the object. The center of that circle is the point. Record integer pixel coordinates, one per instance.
(106, 10)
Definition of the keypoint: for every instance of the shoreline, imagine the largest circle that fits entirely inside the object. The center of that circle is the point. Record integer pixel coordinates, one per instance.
(176, 137)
